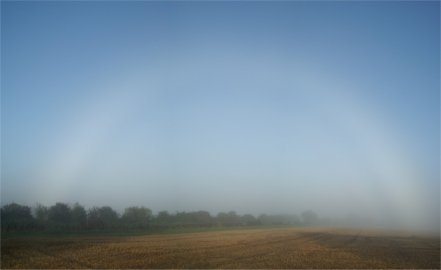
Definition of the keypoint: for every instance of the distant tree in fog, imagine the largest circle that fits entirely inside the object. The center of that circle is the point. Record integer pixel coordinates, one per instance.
(41, 214)
(102, 218)
(202, 218)
(310, 218)
(79, 216)
(93, 218)
(279, 219)
(228, 219)
(137, 217)
(163, 217)
(59, 215)
(108, 216)
(16, 217)
(249, 220)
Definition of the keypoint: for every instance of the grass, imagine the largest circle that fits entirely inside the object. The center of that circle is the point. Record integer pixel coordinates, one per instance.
(255, 248)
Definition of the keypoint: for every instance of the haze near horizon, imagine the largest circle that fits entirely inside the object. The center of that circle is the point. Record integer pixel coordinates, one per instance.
(255, 107)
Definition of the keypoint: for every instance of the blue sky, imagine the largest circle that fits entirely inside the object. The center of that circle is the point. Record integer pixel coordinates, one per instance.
(250, 106)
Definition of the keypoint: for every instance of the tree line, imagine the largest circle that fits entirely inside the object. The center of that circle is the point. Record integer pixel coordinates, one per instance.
(65, 217)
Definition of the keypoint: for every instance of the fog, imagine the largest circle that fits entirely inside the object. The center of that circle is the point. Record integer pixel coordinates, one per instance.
(272, 109)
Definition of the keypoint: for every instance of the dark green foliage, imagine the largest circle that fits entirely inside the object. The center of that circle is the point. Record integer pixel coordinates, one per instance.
(137, 217)
(190, 219)
(228, 219)
(15, 217)
(102, 218)
(59, 216)
(163, 218)
(41, 213)
(79, 216)
(62, 218)
(249, 220)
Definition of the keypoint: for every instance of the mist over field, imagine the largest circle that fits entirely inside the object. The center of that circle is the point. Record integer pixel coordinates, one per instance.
(253, 107)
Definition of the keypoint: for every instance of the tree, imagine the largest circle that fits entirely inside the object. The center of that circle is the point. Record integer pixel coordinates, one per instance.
(310, 218)
(295, 220)
(182, 219)
(41, 215)
(79, 216)
(93, 219)
(202, 218)
(249, 220)
(264, 219)
(228, 219)
(16, 217)
(59, 216)
(108, 216)
(137, 217)
(164, 218)
(102, 218)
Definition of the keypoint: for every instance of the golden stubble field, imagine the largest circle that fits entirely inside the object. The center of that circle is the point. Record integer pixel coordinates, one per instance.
(257, 248)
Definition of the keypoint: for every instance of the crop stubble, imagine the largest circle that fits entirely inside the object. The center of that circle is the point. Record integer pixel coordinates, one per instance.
(261, 248)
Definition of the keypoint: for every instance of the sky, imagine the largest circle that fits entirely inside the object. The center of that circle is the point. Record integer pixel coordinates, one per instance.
(257, 107)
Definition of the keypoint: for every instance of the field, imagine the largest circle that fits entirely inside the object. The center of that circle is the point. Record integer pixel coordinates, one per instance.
(253, 248)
